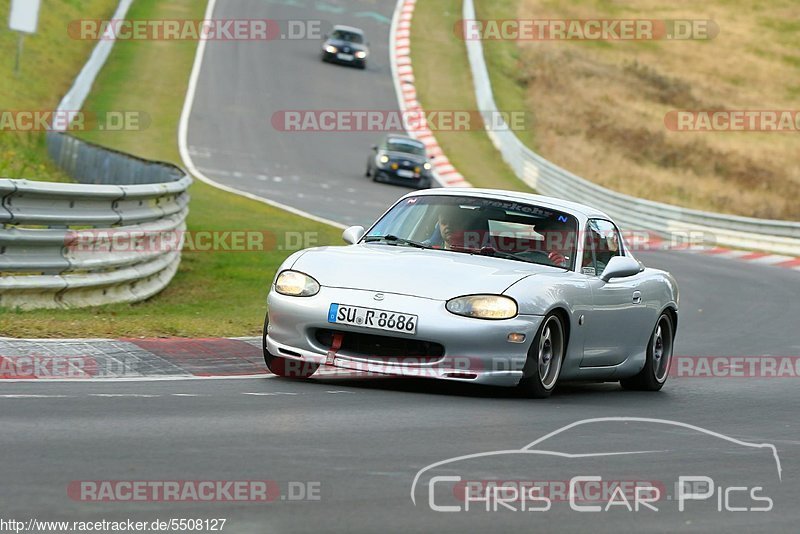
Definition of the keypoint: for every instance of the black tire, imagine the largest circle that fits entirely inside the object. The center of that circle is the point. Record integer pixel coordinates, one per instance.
(545, 359)
(369, 172)
(654, 374)
(282, 366)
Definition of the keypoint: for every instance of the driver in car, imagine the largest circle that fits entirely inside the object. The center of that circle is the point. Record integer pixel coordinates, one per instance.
(450, 231)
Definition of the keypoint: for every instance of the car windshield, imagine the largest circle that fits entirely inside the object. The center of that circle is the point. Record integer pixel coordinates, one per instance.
(408, 146)
(350, 37)
(493, 227)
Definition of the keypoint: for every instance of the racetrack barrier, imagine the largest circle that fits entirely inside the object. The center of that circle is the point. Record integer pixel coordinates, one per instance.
(121, 194)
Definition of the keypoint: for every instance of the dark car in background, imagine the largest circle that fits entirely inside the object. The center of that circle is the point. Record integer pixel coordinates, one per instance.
(400, 159)
(346, 45)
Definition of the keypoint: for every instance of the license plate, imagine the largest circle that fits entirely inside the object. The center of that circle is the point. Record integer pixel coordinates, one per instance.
(405, 174)
(345, 57)
(372, 318)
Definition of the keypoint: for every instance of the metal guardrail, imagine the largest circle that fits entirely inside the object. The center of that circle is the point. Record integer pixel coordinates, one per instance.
(71, 245)
(125, 199)
(780, 237)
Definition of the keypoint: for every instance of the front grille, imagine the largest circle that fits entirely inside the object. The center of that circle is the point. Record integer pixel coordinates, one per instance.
(378, 347)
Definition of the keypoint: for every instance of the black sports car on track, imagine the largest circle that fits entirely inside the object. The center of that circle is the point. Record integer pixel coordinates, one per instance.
(400, 160)
(346, 45)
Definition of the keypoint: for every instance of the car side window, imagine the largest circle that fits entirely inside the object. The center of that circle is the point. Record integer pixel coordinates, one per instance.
(601, 243)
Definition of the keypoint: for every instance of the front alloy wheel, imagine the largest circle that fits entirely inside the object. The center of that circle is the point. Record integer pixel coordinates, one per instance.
(543, 366)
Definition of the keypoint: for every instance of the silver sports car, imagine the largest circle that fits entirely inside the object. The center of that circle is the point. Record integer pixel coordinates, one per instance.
(476, 285)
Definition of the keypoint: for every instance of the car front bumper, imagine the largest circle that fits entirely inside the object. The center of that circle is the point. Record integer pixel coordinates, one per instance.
(334, 58)
(390, 176)
(474, 350)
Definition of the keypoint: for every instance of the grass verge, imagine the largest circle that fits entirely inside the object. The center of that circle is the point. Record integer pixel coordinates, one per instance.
(214, 293)
(50, 61)
(444, 82)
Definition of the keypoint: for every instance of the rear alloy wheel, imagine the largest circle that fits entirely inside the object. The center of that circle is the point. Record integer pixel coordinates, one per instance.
(284, 367)
(543, 366)
(659, 357)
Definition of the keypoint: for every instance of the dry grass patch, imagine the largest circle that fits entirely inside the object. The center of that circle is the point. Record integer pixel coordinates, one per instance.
(599, 107)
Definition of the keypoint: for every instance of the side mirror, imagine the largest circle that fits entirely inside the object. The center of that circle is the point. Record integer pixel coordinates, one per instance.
(353, 234)
(375, 147)
(325, 36)
(620, 267)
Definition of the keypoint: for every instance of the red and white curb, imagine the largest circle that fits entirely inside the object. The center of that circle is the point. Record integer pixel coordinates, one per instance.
(759, 258)
(403, 74)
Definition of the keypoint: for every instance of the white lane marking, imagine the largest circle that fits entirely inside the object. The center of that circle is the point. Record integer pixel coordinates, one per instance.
(21, 396)
(200, 152)
(216, 171)
(127, 395)
(339, 391)
(266, 394)
(184, 395)
(183, 137)
(138, 379)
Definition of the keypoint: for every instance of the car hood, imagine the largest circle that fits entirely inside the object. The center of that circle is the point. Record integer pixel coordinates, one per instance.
(434, 274)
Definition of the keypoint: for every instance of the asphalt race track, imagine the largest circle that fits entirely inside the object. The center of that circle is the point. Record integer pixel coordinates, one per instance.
(231, 136)
(360, 442)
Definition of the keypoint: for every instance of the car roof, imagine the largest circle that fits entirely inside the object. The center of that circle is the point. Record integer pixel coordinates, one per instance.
(402, 137)
(348, 29)
(551, 202)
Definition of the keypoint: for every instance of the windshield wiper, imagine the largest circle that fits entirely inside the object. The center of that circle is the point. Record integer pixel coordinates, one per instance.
(489, 251)
(393, 239)
(493, 252)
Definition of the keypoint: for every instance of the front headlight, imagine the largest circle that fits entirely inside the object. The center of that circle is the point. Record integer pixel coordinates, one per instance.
(427, 166)
(361, 54)
(483, 306)
(296, 284)
(384, 160)
(331, 49)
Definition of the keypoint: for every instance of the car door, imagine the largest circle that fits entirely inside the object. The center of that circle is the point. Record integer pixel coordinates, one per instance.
(615, 317)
